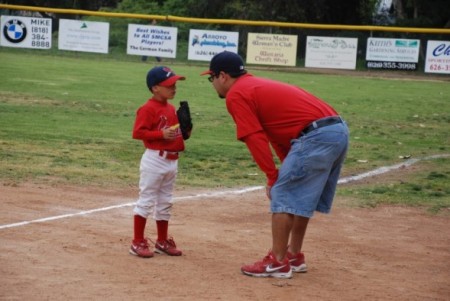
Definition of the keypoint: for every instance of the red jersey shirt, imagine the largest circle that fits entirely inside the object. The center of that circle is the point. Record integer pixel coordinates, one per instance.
(151, 119)
(277, 110)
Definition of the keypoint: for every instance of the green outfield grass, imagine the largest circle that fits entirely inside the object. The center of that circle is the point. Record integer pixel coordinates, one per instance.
(68, 119)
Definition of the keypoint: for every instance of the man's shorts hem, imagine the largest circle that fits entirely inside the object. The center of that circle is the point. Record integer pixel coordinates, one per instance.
(303, 213)
(323, 210)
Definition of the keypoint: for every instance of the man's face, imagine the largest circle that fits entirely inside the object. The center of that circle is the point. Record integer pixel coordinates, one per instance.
(216, 81)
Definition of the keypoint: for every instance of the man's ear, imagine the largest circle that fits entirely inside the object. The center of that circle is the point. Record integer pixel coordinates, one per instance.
(223, 75)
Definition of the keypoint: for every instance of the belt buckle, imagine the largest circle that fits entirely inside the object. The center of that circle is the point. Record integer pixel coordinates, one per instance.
(168, 155)
(172, 156)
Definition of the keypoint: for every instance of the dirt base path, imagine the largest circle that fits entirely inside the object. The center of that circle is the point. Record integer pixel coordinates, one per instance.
(387, 253)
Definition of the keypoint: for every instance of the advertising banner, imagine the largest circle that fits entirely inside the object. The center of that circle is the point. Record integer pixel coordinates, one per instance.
(271, 49)
(438, 57)
(25, 32)
(148, 40)
(83, 36)
(204, 44)
(331, 52)
(396, 54)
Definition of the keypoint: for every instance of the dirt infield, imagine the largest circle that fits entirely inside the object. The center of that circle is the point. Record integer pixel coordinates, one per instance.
(387, 253)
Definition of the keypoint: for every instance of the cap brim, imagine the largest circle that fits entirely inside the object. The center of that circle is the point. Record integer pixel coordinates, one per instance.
(171, 81)
(206, 72)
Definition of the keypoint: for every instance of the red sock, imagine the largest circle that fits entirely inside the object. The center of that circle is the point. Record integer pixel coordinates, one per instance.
(162, 227)
(139, 227)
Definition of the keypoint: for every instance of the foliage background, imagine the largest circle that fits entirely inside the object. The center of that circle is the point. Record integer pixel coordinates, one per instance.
(417, 13)
(414, 13)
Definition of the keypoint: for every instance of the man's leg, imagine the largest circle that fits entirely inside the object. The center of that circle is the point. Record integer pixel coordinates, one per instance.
(298, 234)
(282, 224)
(275, 263)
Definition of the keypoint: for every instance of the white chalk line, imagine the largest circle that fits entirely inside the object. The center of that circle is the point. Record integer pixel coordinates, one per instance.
(385, 169)
(345, 180)
(175, 199)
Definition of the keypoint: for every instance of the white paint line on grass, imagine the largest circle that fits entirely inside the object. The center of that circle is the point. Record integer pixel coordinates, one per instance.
(345, 180)
(386, 169)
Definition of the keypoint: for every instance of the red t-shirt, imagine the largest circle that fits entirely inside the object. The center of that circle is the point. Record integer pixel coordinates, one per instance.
(151, 119)
(276, 112)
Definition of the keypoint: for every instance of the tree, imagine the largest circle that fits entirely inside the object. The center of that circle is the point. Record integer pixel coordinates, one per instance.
(76, 4)
(416, 13)
(422, 13)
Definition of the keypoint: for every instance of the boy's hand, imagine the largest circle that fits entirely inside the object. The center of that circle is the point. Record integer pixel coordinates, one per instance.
(170, 133)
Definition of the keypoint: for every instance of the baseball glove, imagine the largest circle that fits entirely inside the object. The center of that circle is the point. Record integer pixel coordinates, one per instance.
(184, 118)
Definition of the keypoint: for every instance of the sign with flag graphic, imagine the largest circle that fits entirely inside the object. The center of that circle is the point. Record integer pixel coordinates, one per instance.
(394, 54)
(84, 36)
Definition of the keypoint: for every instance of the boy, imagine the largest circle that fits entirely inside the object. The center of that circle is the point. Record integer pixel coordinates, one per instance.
(157, 126)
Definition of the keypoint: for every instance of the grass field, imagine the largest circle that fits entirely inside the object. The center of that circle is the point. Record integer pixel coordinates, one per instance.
(69, 120)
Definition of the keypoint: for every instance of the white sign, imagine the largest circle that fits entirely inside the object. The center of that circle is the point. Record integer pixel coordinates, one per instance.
(272, 49)
(24, 32)
(393, 50)
(83, 36)
(331, 52)
(204, 44)
(147, 40)
(438, 57)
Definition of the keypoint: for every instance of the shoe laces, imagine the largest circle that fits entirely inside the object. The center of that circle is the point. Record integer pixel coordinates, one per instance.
(169, 242)
(269, 257)
(143, 244)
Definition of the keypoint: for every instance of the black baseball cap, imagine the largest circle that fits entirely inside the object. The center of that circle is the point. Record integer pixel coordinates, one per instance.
(162, 76)
(228, 62)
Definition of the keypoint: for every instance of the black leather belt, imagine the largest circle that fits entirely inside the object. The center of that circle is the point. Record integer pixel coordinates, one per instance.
(321, 123)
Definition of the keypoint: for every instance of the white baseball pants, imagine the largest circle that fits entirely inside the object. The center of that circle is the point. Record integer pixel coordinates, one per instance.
(156, 184)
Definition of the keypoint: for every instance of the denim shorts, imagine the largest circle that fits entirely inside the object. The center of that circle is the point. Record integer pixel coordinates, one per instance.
(308, 176)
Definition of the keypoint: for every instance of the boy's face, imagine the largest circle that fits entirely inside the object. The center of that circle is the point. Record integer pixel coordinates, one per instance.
(164, 93)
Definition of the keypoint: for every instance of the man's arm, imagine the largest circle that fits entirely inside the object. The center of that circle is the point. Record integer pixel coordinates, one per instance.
(258, 145)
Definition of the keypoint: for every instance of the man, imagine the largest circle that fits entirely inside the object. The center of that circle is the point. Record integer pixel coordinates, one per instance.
(309, 138)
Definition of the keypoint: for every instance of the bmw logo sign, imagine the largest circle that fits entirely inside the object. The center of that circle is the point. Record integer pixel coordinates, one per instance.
(15, 31)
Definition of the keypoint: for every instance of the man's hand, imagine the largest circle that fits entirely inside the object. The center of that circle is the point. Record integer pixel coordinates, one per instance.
(268, 188)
